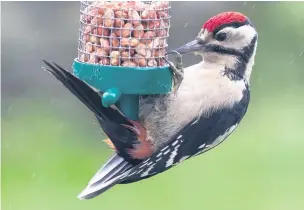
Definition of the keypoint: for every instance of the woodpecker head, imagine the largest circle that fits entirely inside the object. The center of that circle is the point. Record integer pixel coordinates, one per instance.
(228, 36)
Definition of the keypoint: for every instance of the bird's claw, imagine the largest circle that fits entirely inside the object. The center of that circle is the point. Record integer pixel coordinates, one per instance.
(177, 70)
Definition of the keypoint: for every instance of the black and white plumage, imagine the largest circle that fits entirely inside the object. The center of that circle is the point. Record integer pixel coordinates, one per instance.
(207, 107)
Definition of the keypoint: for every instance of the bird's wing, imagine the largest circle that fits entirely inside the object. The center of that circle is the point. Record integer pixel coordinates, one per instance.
(111, 120)
(195, 138)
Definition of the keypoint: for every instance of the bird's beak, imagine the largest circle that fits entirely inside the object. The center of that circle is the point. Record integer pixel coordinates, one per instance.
(193, 46)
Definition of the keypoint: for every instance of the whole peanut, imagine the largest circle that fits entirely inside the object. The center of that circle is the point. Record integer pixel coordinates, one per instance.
(96, 21)
(138, 31)
(140, 60)
(104, 43)
(115, 54)
(89, 47)
(87, 29)
(133, 14)
(93, 39)
(86, 38)
(147, 37)
(92, 59)
(141, 49)
(104, 61)
(114, 61)
(129, 64)
(125, 42)
(84, 58)
(108, 18)
(159, 52)
(115, 41)
(121, 14)
(133, 42)
(101, 31)
(125, 56)
(152, 63)
(127, 30)
(101, 52)
(119, 23)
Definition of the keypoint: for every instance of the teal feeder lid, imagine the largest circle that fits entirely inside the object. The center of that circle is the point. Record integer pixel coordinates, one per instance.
(124, 85)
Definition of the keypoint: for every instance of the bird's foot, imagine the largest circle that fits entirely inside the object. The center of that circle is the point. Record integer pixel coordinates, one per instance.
(177, 71)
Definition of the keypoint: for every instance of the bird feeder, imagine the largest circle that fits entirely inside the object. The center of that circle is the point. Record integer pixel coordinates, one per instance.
(121, 51)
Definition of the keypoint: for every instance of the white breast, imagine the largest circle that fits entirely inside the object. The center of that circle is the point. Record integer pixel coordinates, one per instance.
(203, 90)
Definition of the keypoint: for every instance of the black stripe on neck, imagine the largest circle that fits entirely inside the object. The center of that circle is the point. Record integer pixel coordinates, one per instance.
(238, 72)
(243, 56)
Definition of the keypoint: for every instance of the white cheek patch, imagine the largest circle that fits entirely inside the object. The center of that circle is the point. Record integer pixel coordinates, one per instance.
(238, 38)
(241, 37)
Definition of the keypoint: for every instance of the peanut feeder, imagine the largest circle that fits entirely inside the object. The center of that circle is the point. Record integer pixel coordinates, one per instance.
(121, 50)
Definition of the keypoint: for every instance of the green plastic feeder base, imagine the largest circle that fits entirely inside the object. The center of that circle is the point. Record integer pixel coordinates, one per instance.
(123, 85)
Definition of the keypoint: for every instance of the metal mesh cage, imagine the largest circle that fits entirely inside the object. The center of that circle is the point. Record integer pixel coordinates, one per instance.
(128, 33)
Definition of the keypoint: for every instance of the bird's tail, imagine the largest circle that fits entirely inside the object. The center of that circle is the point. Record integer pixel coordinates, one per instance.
(83, 92)
(111, 120)
(113, 123)
(106, 177)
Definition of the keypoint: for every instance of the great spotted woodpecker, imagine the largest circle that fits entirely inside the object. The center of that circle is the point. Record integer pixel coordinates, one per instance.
(208, 104)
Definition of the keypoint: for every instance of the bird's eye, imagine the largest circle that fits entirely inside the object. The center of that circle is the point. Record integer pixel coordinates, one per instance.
(221, 36)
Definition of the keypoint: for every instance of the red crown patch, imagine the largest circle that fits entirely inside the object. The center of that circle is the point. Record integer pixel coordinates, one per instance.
(223, 18)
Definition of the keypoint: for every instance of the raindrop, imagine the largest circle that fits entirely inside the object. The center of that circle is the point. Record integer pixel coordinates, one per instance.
(301, 54)
(185, 25)
(291, 62)
(253, 6)
(9, 108)
(245, 3)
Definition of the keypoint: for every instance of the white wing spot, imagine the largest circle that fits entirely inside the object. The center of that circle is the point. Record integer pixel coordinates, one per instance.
(202, 146)
(183, 158)
(222, 137)
(163, 149)
(139, 171)
(159, 154)
(124, 175)
(218, 140)
(146, 173)
(174, 143)
(167, 152)
(172, 156)
(132, 174)
(199, 152)
(143, 165)
(146, 160)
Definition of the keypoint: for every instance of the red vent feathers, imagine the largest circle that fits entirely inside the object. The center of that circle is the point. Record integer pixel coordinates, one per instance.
(223, 18)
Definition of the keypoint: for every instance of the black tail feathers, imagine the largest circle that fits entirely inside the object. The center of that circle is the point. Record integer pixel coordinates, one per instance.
(110, 119)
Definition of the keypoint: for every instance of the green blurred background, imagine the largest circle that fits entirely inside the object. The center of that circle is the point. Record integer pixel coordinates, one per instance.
(51, 144)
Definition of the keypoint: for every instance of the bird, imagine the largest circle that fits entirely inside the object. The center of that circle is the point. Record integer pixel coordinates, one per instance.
(210, 100)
